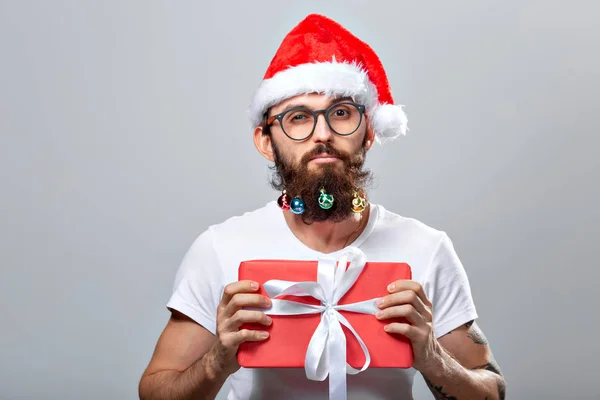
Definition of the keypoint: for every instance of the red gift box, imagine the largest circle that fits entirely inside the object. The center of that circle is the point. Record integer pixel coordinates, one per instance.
(289, 335)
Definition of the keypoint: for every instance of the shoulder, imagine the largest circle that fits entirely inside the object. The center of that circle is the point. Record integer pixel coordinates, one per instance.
(217, 239)
(407, 229)
(429, 247)
(238, 231)
(264, 217)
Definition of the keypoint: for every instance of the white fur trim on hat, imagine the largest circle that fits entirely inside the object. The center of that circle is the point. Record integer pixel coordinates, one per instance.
(329, 78)
(389, 121)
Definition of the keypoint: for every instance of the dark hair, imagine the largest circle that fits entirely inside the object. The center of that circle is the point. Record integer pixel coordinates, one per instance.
(266, 129)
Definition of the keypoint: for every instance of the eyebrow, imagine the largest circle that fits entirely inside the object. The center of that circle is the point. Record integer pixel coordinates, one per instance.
(300, 104)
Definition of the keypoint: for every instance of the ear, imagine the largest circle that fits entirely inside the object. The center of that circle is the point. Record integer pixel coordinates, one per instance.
(370, 138)
(263, 144)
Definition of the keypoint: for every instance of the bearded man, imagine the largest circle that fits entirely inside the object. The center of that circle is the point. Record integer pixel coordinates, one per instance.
(323, 103)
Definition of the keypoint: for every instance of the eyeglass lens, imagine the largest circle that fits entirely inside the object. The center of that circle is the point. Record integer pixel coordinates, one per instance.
(344, 119)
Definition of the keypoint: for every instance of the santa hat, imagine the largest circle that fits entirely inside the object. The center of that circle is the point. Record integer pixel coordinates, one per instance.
(321, 56)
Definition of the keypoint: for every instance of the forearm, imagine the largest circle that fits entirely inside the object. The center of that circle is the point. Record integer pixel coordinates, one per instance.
(201, 381)
(448, 379)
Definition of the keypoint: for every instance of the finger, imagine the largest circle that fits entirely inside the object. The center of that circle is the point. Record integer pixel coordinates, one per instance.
(245, 316)
(406, 297)
(248, 335)
(244, 286)
(402, 285)
(404, 329)
(404, 311)
(241, 300)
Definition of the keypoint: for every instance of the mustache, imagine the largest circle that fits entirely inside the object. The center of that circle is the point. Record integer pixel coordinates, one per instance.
(323, 148)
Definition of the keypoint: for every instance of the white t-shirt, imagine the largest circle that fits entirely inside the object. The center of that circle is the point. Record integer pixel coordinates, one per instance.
(213, 259)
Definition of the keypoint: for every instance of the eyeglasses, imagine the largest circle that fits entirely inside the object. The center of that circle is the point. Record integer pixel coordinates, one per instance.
(299, 123)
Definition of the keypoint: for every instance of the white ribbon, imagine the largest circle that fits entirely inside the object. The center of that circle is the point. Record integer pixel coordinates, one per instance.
(326, 353)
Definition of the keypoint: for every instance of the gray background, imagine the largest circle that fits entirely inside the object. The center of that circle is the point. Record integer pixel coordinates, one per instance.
(124, 134)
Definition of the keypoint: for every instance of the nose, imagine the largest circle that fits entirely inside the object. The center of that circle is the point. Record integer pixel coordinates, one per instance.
(322, 132)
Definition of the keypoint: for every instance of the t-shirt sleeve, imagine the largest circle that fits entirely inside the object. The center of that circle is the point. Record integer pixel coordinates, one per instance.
(447, 286)
(199, 283)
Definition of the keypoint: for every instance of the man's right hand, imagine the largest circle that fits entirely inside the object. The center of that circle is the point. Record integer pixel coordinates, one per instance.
(231, 316)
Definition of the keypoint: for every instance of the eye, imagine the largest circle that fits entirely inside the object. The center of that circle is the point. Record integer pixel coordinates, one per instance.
(298, 117)
(341, 111)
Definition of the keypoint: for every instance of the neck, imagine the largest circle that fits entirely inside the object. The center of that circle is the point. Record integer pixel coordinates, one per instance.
(327, 237)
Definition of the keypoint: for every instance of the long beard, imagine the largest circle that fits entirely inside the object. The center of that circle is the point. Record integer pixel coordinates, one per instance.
(342, 182)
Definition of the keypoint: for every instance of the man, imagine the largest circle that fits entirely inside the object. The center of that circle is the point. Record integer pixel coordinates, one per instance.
(323, 103)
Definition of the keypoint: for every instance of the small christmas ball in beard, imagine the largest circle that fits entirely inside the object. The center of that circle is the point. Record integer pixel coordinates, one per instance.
(297, 205)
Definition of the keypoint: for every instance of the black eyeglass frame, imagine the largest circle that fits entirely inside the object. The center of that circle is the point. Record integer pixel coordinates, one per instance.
(279, 117)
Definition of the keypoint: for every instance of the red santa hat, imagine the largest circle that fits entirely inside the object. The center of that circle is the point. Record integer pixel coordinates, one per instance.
(321, 56)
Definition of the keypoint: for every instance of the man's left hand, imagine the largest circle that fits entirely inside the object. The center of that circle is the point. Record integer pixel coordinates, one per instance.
(407, 299)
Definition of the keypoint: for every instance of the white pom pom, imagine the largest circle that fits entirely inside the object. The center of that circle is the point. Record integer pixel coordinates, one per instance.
(389, 121)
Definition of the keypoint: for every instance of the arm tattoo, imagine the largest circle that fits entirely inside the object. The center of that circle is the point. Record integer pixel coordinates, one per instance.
(438, 391)
(491, 366)
(476, 334)
(495, 368)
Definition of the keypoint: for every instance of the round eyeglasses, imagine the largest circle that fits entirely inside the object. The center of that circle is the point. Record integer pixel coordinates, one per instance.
(299, 123)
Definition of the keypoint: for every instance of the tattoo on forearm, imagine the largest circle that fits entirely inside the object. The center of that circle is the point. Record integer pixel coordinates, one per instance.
(438, 391)
(495, 368)
(491, 366)
(501, 388)
(477, 336)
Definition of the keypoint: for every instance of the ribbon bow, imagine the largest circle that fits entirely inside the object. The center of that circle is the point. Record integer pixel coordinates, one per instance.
(326, 353)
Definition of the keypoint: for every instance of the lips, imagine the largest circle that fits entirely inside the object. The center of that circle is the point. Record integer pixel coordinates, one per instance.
(324, 156)
(325, 159)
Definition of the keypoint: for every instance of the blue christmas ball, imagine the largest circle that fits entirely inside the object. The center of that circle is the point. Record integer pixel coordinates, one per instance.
(297, 206)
